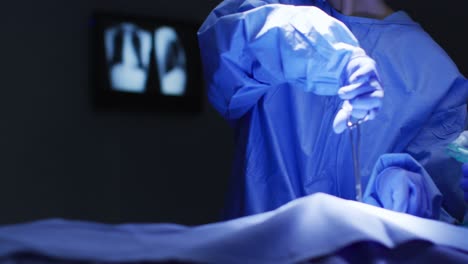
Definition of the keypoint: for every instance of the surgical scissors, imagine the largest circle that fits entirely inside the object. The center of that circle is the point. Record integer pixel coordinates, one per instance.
(355, 146)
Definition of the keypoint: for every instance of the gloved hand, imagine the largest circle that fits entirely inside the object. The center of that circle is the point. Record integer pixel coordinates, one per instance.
(402, 191)
(464, 180)
(400, 184)
(362, 93)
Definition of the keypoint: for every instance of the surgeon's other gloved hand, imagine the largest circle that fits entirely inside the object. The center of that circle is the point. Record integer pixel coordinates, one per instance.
(400, 184)
(464, 180)
(402, 191)
(361, 92)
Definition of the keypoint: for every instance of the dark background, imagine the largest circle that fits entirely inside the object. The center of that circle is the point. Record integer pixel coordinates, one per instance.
(60, 158)
(445, 21)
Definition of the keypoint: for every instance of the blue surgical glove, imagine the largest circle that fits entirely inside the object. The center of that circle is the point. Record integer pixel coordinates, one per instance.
(400, 184)
(362, 92)
(402, 191)
(464, 180)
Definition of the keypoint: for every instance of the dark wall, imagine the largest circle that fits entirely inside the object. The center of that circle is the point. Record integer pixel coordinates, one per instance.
(445, 21)
(59, 158)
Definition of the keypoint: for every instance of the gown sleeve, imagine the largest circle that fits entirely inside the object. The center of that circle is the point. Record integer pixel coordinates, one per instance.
(249, 48)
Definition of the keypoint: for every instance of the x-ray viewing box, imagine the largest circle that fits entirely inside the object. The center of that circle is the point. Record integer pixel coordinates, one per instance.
(145, 63)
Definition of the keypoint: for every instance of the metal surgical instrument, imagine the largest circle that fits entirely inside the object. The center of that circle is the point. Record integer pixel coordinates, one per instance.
(355, 137)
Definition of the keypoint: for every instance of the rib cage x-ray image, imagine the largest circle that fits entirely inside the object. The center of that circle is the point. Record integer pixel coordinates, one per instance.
(171, 61)
(128, 52)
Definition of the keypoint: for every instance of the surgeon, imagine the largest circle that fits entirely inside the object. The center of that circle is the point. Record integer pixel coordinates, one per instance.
(290, 75)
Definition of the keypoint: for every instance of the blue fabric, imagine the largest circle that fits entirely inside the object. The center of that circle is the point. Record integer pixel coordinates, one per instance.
(363, 252)
(303, 229)
(272, 96)
(464, 181)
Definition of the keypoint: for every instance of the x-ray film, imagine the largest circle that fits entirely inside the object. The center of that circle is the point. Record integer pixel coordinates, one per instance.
(146, 63)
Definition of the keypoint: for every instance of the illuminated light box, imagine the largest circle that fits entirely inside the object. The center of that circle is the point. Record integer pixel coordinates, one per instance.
(144, 63)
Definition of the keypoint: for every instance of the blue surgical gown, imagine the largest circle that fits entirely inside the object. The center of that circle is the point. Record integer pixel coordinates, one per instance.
(273, 68)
